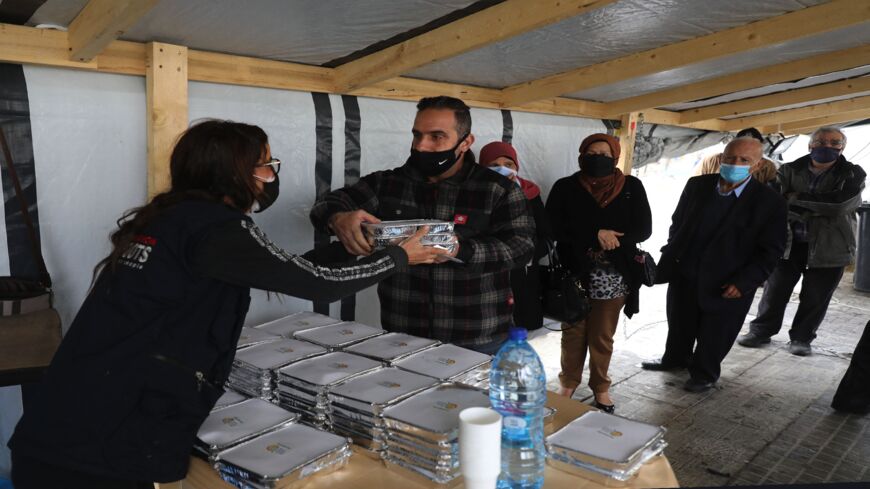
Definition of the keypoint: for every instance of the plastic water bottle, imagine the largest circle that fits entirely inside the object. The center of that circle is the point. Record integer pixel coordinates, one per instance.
(518, 391)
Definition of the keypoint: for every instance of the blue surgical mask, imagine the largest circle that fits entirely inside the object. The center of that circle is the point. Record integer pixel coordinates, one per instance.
(733, 173)
(504, 171)
(824, 154)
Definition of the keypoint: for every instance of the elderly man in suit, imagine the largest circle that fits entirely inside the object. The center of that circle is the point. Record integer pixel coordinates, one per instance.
(728, 232)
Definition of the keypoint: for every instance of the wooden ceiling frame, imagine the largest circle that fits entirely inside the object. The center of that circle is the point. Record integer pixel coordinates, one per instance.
(501, 21)
(809, 125)
(780, 99)
(794, 25)
(102, 21)
(809, 112)
(820, 64)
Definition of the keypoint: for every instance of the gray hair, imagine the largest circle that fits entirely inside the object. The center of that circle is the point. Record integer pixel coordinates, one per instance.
(749, 139)
(825, 129)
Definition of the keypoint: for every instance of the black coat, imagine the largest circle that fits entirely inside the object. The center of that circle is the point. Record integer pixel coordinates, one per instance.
(576, 219)
(526, 280)
(743, 251)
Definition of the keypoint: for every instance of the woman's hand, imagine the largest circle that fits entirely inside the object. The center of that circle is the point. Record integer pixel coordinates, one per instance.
(609, 239)
(417, 253)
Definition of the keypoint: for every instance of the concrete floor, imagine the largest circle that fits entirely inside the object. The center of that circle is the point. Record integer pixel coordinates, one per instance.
(769, 420)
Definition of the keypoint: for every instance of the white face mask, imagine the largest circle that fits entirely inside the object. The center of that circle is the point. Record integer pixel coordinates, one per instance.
(505, 172)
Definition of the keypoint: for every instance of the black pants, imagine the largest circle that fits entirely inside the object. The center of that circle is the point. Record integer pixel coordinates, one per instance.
(30, 473)
(688, 324)
(816, 292)
(853, 394)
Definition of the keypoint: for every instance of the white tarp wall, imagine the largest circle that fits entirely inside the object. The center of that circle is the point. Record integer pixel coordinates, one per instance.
(90, 165)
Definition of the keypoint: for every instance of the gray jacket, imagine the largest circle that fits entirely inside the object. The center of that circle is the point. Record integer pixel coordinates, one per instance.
(829, 211)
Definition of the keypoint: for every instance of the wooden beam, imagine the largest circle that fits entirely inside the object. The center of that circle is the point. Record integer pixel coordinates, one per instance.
(800, 126)
(501, 21)
(101, 22)
(745, 80)
(781, 99)
(28, 45)
(655, 116)
(812, 111)
(627, 134)
(166, 103)
(795, 25)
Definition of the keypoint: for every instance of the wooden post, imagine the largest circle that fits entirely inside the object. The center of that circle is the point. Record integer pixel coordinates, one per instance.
(626, 133)
(166, 99)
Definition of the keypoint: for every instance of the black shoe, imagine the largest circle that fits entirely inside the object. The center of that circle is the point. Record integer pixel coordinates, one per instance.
(607, 408)
(660, 366)
(800, 348)
(698, 386)
(753, 340)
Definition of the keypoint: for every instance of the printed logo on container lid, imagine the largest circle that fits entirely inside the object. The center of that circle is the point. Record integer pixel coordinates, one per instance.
(278, 448)
(232, 421)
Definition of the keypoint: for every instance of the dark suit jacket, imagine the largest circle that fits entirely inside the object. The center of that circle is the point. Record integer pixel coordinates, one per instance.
(744, 250)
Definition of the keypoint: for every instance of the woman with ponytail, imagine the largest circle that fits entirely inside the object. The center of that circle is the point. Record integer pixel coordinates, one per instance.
(145, 357)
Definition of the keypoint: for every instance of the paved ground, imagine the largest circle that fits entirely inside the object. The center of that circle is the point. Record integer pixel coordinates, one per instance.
(769, 420)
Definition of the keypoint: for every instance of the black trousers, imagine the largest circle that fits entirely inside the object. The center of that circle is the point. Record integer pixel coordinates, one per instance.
(853, 394)
(710, 334)
(31, 473)
(816, 291)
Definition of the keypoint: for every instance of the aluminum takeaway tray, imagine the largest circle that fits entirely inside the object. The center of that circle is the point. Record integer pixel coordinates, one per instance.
(386, 229)
(391, 346)
(610, 443)
(327, 370)
(229, 398)
(371, 392)
(300, 321)
(240, 422)
(337, 336)
(273, 355)
(254, 336)
(433, 415)
(445, 362)
(285, 455)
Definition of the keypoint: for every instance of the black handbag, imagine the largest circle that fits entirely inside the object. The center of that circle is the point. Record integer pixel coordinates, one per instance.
(563, 297)
(645, 267)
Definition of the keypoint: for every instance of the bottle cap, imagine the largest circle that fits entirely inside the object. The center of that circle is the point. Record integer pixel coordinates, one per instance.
(517, 334)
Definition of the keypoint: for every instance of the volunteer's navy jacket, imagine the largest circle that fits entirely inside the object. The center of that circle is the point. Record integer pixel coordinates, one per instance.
(145, 358)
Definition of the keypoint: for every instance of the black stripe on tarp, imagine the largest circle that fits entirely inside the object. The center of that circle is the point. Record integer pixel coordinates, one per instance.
(18, 12)
(322, 169)
(507, 120)
(352, 153)
(15, 122)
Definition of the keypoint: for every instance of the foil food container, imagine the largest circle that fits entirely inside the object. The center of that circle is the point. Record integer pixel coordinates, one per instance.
(386, 229)
(229, 398)
(240, 422)
(289, 454)
(445, 362)
(610, 444)
(391, 346)
(274, 355)
(370, 393)
(410, 463)
(341, 335)
(607, 478)
(433, 415)
(300, 321)
(253, 336)
(317, 373)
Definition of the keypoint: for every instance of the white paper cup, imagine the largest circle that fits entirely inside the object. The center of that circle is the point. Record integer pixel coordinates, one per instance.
(480, 447)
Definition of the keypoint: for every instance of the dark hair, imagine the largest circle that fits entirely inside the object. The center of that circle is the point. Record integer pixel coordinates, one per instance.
(213, 160)
(752, 133)
(460, 111)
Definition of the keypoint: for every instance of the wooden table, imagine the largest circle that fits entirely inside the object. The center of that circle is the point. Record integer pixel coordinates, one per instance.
(365, 472)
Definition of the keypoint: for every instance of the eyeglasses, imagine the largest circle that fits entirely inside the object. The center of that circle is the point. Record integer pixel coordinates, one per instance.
(834, 143)
(274, 163)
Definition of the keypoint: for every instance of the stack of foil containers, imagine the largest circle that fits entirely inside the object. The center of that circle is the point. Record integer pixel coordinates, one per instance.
(422, 431)
(303, 386)
(391, 347)
(288, 326)
(339, 336)
(385, 233)
(605, 448)
(450, 363)
(253, 336)
(228, 426)
(357, 404)
(255, 369)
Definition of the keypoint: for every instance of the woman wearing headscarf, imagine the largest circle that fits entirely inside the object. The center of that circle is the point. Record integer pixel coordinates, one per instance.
(525, 281)
(598, 216)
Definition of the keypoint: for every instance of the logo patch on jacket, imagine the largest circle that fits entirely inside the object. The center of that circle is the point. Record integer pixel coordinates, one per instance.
(137, 254)
(460, 219)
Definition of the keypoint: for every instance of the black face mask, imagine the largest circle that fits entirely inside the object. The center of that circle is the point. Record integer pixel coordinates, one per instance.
(269, 194)
(434, 163)
(596, 165)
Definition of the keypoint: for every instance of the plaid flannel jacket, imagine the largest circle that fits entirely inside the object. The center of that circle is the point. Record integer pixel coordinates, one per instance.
(465, 304)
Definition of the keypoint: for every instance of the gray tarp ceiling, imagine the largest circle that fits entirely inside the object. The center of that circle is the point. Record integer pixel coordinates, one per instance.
(329, 32)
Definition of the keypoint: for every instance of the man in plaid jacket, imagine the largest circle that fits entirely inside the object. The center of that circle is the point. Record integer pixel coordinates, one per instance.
(467, 303)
